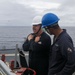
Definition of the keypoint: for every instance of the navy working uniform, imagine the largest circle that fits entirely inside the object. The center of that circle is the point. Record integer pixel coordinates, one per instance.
(38, 53)
(62, 59)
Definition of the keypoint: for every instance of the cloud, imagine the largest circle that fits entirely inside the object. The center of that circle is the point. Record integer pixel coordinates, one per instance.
(65, 12)
(21, 12)
(15, 14)
(39, 5)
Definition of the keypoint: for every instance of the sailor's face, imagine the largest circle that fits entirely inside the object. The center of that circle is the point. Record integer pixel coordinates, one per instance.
(36, 28)
(49, 30)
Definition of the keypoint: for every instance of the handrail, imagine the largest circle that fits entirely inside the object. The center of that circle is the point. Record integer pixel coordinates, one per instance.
(6, 69)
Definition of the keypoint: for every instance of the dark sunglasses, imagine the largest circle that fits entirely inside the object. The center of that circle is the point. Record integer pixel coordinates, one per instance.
(46, 29)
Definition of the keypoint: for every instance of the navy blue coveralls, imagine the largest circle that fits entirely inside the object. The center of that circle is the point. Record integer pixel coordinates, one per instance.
(39, 53)
(62, 57)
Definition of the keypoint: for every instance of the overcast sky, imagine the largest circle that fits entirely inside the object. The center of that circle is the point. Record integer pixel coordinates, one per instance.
(21, 12)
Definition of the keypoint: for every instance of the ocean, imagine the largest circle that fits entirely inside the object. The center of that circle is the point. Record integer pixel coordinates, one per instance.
(9, 37)
(12, 35)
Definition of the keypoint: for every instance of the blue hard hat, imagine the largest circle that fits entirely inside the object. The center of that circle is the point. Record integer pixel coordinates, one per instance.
(49, 19)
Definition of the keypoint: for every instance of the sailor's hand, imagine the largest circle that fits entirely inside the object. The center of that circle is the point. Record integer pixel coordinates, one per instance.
(30, 37)
(37, 38)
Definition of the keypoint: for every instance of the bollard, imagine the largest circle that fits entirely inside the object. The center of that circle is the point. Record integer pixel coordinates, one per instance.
(3, 58)
(11, 64)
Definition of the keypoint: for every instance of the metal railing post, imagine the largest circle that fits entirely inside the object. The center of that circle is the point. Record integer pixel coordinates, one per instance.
(16, 51)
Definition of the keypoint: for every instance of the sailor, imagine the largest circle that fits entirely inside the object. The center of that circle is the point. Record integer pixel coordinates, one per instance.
(62, 59)
(38, 44)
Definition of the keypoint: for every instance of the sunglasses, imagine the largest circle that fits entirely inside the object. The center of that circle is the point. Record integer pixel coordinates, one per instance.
(46, 29)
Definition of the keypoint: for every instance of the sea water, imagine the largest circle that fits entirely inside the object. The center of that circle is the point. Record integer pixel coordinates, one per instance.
(12, 35)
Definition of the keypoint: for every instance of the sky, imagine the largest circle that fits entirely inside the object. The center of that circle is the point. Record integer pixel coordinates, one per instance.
(21, 12)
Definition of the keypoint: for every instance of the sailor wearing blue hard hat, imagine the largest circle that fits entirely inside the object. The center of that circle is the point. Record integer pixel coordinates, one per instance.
(62, 54)
(49, 20)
